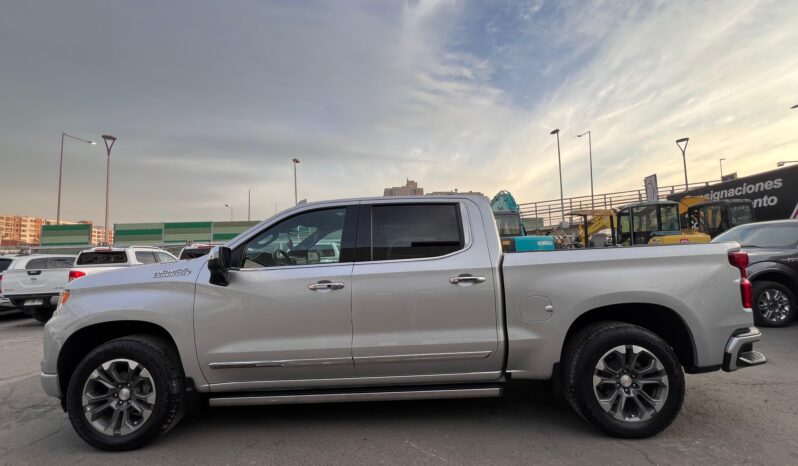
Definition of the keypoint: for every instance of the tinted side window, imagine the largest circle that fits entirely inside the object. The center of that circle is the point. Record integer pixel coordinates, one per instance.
(145, 257)
(4, 263)
(35, 264)
(412, 231)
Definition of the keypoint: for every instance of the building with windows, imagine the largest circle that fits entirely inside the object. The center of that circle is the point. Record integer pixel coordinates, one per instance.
(409, 189)
(19, 230)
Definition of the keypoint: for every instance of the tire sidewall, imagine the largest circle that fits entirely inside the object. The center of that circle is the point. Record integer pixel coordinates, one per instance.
(759, 288)
(584, 394)
(119, 349)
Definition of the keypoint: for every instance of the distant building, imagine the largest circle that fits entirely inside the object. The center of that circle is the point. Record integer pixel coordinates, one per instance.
(452, 193)
(409, 189)
(18, 230)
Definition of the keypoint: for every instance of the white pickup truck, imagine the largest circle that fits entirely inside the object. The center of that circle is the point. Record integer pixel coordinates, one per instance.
(104, 259)
(416, 301)
(32, 282)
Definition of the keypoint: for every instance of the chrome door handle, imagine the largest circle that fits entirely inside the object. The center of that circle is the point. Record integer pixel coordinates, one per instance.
(325, 285)
(466, 279)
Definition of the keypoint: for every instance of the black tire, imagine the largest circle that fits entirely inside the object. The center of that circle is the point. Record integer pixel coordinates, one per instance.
(162, 363)
(767, 312)
(581, 359)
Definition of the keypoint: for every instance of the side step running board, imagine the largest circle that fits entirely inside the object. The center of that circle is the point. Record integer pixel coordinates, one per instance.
(336, 397)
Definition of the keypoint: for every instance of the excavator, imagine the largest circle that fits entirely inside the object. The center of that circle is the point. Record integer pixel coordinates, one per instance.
(650, 222)
(715, 217)
(511, 228)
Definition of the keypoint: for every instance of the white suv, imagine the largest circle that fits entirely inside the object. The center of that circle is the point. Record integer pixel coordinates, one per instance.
(103, 259)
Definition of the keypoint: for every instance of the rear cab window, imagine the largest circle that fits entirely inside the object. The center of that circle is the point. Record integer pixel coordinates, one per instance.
(38, 264)
(409, 231)
(101, 258)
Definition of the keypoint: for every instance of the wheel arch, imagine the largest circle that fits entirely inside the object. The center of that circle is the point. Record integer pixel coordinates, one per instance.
(776, 275)
(661, 320)
(80, 343)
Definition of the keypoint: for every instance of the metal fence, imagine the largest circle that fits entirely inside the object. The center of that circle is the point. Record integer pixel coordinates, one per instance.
(549, 210)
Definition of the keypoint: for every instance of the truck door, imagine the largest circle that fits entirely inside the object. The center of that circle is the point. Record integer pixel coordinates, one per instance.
(423, 293)
(286, 313)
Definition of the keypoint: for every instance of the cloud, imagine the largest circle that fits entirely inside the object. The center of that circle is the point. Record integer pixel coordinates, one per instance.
(209, 99)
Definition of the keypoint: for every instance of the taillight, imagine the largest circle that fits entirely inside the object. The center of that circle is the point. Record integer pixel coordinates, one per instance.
(740, 260)
(75, 274)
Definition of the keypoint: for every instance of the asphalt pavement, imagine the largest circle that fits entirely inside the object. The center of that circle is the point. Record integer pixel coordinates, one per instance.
(750, 416)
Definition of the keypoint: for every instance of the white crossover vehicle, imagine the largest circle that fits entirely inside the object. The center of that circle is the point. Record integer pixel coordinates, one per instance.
(395, 298)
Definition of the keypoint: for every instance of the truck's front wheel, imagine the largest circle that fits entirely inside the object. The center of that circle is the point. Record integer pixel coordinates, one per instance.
(623, 379)
(125, 392)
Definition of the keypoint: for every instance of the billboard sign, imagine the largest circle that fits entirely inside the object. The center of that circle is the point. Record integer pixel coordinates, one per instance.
(652, 191)
(774, 193)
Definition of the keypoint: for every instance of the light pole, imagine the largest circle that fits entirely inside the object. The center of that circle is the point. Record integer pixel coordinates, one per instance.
(684, 158)
(249, 203)
(781, 164)
(109, 143)
(296, 193)
(231, 212)
(590, 152)
(721, 168)
(559, 164)
(61, 171)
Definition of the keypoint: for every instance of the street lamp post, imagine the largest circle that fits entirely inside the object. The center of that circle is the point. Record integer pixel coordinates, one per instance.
(61, 171)
(231, 212)
(109, 143)
(296, 193)
(249, 203)
(721, 168)
(684, 158)
(590, 152)
(559, 164)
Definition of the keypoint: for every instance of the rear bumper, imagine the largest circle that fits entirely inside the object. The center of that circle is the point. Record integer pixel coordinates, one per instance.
(50, 384)
(739, 352)
(49, 300)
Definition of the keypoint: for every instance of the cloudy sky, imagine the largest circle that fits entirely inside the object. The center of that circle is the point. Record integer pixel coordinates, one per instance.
(210, 99)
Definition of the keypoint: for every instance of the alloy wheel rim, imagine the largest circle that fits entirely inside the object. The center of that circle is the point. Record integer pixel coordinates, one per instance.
(773, 304)
(118, 397)
(630, 383)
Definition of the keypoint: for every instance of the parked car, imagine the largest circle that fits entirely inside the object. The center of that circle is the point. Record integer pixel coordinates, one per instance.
(5, 303)
(32, 282)
(417, 301)
(104, 259)
(193, 251)
(773, 269)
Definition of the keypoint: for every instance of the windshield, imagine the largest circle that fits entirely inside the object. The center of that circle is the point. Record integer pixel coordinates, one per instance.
(508, 224)
(740, 214)
(778, 235)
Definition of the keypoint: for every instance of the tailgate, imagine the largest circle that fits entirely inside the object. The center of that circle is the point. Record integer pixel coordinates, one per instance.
(34, 281)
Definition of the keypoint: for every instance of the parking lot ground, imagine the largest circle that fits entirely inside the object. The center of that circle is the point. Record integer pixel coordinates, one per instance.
(750, 416)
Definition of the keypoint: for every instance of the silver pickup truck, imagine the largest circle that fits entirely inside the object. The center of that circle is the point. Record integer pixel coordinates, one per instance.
(395, 299)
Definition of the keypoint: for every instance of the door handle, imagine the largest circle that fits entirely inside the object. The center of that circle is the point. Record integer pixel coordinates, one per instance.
(466, 279)
(325, 285)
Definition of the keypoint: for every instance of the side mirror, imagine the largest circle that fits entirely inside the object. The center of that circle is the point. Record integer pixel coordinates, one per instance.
(219, 264)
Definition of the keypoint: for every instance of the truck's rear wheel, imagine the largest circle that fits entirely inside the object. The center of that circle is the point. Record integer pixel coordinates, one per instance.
(623, 379)
(42, 315)
(125, 392)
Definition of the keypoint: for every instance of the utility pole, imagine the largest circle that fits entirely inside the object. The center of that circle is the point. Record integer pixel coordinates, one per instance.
(590, 152)
(559, 163)
(61, 171)
(296, 193)
(109, 143)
